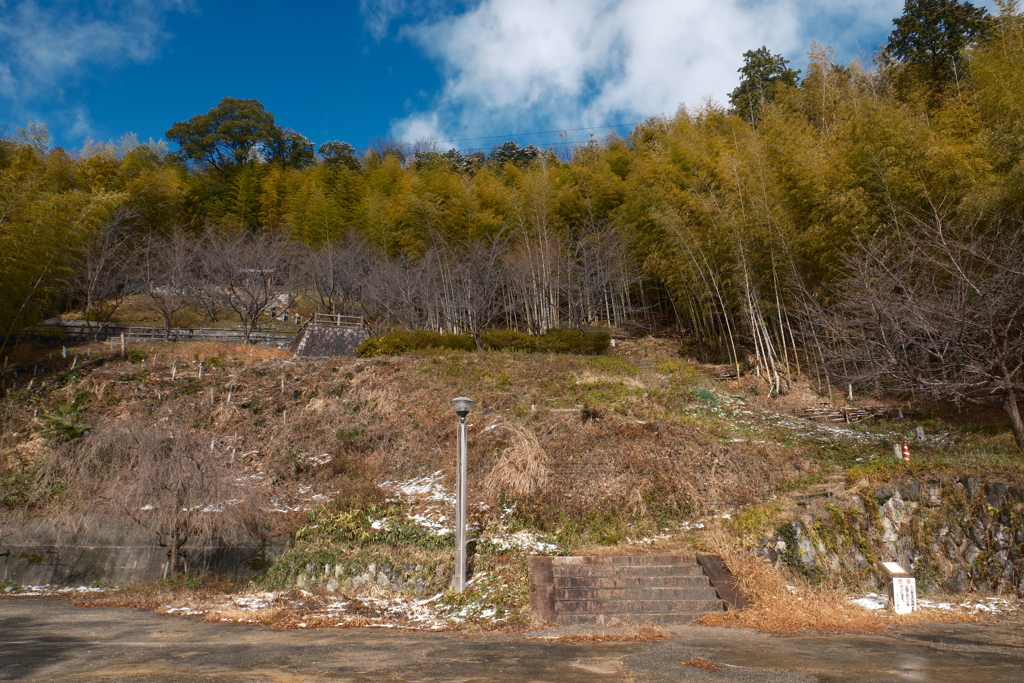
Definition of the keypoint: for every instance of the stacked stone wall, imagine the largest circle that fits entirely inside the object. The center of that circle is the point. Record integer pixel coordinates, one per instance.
(953, 535)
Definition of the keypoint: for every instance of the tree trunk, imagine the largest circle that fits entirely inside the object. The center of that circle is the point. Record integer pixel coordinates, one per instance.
(1016, 423)
(175, 546)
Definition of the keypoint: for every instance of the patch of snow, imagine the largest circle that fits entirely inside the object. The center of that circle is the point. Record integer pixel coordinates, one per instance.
(523, 540)
(316, 460)
(872, 601)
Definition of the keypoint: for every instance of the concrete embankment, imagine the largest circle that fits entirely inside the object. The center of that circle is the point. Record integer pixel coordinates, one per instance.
(43, 552)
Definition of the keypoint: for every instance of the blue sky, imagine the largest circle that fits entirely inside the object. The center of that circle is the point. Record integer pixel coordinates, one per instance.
(359, 70)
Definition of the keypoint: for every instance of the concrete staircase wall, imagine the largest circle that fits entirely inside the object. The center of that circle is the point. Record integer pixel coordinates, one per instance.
(323, 341)
(613, 590)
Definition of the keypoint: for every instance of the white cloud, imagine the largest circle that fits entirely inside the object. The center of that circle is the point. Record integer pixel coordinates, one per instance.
(44, 44)
(378, 14)
(521, 65)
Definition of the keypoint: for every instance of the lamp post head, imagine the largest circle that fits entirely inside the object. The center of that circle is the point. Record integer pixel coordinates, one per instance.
(462, 406)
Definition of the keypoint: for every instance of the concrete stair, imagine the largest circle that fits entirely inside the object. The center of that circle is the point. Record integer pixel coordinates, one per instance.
(619, 589)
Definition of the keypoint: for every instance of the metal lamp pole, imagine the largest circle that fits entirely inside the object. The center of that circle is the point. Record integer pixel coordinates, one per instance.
(462, 406)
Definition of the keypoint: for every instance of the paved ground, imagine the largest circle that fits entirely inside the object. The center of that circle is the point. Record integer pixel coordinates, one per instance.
(48, 639)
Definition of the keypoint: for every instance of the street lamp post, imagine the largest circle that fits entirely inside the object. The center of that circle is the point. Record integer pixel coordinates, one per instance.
(462, 406)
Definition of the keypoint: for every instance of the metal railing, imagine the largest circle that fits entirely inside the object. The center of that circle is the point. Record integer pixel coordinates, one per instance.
(74, 330)
(338, 320)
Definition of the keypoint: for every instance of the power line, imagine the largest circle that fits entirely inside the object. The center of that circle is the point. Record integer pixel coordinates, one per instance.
(545, 145)
(539, 132)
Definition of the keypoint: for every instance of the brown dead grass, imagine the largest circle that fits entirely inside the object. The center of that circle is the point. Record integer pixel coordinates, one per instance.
(522, 468)
(246, 353)
(152, 596)
(705, 664)
(389, 418)
(292, 610)
(781, 604)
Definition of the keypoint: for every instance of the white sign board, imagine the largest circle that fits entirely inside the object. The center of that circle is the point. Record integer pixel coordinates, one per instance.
(904, 595)
(894, 568)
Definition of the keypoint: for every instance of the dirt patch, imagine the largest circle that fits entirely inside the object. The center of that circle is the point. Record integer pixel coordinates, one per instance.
(645, 633)
(704, 664)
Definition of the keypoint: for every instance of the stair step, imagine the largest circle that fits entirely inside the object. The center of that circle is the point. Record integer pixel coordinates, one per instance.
(624, 560)
(632, 593)
(637, 606)
(696, 581)
(619, 571)
(626, 619)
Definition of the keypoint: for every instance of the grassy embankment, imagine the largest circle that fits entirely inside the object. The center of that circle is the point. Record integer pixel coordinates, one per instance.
(582, 453)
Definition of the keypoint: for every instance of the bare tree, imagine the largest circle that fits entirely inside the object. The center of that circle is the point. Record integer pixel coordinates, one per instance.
(596, 277)
(248, 273)
(337, 272)
(401, 290)
(11, 522)
(936, 308)
(473, 286)
(101, 268)
(163, 478)
(165, 273)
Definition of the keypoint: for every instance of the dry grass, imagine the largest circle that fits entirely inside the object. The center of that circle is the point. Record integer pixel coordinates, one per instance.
(645, 633)
(522, 468)
(221, 603)
(705, 664)
(246, 353)
(781, 604)
(151, 596)
(389, 418)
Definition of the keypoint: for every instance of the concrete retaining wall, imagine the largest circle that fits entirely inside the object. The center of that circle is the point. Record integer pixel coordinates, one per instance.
(324, 341)
(45, 553)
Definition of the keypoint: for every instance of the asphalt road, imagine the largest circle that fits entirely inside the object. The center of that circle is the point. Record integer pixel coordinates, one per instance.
(48, 639)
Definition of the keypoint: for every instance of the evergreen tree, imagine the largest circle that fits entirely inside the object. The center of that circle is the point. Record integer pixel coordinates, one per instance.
(764, 74)
(931, 36)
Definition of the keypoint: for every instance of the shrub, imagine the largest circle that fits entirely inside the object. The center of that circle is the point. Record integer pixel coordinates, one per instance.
(574, 341)
(508, 340)
(134, 356)
(395, 343)
(64, 423)
(552, 341)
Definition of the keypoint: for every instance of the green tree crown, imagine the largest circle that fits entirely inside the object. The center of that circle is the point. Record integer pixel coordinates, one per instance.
(763, 75)
(932, 34)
